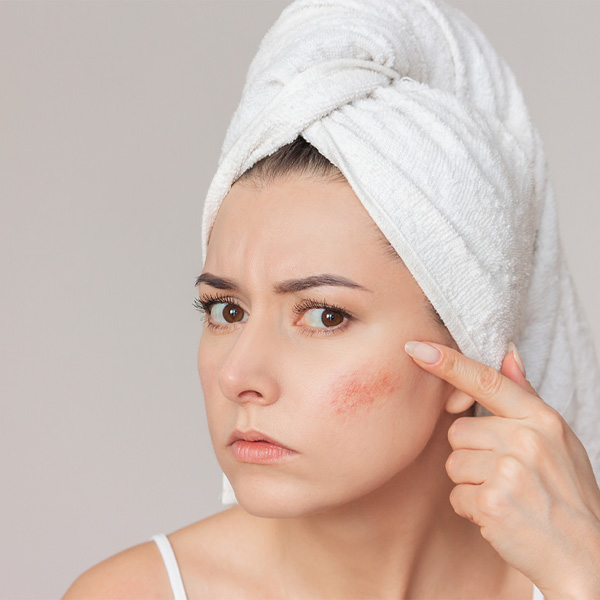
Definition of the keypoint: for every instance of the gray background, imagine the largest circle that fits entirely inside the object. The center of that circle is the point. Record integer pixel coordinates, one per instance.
(112, 117)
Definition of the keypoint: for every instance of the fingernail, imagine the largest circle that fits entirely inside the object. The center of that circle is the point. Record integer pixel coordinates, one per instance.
(424, 352)
(512, 348)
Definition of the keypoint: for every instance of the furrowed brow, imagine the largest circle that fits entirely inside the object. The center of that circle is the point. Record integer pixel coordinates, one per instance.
(285, 287)
(221, 283)
(297, 285)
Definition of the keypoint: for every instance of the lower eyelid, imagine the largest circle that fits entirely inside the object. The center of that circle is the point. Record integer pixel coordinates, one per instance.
(324, 331)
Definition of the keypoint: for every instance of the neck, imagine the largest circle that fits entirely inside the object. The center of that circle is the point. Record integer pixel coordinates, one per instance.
(401, 540)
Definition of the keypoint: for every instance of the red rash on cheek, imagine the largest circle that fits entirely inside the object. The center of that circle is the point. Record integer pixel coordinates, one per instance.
(360, 390)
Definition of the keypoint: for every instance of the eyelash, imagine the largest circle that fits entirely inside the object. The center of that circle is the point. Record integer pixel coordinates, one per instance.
(204, 304)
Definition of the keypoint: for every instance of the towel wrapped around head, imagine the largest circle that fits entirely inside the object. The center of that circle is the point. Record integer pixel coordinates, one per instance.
(428, 125)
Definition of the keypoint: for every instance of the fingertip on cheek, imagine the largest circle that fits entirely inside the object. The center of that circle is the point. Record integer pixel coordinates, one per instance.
(423, 352)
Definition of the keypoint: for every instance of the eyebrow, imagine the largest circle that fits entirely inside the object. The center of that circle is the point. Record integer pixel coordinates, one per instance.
(284, 287)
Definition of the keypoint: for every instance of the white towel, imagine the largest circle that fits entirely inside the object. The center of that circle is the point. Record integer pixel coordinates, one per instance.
(427, 123)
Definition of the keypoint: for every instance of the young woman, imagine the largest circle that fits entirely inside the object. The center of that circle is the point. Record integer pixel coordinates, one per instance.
(382, 438)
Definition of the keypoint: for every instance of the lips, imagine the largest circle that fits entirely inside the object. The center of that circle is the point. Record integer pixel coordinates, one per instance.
(254, 436)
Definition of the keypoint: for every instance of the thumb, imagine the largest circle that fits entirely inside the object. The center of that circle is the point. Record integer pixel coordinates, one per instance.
(514, 368)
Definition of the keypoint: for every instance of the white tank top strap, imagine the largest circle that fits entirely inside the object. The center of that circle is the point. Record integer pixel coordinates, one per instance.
(537, 595)
(166, 551)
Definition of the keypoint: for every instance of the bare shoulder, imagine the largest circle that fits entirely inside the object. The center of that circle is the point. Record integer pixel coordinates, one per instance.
(218, 557)
(137, 572)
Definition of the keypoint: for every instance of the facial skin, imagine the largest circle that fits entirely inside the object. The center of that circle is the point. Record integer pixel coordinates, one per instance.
(347, 398)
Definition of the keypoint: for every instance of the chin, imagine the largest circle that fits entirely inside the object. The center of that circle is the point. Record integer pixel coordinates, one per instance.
(272, 501)
(269, 510)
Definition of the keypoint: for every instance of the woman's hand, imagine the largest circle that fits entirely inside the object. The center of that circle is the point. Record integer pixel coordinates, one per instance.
(522, 475)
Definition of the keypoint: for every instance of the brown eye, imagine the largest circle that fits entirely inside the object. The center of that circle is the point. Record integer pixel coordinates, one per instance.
(226, 313)
(331, 318)
(323, 318)
(232, 313)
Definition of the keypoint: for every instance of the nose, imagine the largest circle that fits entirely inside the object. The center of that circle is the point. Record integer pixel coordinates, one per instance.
(248, 372)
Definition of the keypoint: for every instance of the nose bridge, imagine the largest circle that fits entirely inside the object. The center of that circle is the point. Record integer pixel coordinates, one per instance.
(248, 373)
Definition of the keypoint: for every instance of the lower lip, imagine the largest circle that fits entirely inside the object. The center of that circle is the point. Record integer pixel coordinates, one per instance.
(259, 452)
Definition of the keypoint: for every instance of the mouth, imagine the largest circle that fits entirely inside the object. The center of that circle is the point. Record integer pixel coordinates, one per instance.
(254, 436)
(258, 448)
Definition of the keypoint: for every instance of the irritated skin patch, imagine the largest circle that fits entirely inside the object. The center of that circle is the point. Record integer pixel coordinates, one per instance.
(360, 390)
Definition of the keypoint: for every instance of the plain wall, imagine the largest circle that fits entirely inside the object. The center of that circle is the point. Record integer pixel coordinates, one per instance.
(112, 118)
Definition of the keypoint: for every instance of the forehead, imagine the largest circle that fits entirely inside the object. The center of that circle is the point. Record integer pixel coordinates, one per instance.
(292, 216)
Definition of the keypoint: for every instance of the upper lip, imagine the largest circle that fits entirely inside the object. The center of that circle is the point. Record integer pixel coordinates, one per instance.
(253, 436)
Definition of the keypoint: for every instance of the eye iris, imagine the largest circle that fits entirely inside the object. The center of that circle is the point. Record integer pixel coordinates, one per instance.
(331, 318)
(232, 313)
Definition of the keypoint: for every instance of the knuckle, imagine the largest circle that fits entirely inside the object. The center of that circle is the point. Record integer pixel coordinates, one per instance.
(491, 502)
(489, 382)
(455, 430)
(528, 442)
(454, 366)
(553, 423)
(450, 463)
(450, 364)
(453, 497)
(509, 468)
(457, 502)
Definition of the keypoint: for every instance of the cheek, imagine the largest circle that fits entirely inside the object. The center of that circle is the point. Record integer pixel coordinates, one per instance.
(363, 390)
(204, 365)
(208, 365)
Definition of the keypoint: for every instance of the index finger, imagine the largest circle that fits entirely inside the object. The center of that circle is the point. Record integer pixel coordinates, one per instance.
(494, 391)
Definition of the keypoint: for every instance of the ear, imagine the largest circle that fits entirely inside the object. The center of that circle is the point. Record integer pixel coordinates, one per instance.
(458, 402)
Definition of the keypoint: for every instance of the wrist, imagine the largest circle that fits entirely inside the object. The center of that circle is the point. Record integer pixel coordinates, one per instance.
(582, 581)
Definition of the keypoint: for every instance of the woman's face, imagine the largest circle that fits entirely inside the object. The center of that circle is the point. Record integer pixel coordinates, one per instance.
(332, 384)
